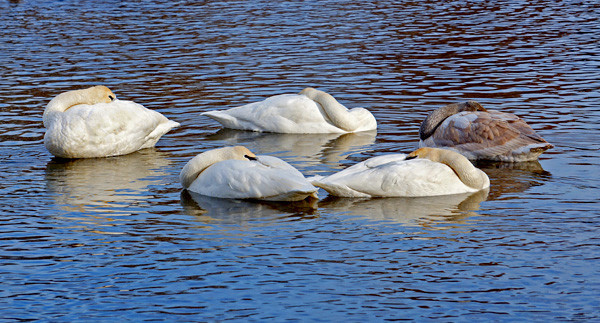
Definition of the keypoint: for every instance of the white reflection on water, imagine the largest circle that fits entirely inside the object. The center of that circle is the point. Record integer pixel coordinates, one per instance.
(230, 211)
(106, 185)
(323, 150)
(405, 210)
(410, 210)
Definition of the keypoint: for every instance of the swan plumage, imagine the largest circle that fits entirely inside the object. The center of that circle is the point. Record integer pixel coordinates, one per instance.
(310, 111)
(424, 172)
(481, 134)
(93, 123)
(237, 173)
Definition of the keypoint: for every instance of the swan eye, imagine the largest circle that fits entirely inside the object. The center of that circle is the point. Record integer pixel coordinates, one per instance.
(111, 97)
(250, 157)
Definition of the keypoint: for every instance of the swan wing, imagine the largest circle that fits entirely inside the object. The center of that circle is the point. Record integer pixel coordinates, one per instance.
(483, 135)
(105, 129)
(285, 113)
(372, 178)
(267, 178)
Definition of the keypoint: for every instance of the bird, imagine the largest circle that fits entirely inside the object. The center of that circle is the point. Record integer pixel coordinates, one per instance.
(423, 172)
(310, 111)
(237, 173)
(92, 122)
(481, 134)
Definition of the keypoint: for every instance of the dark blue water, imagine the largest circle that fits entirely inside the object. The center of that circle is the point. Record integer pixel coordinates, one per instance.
(117, 239)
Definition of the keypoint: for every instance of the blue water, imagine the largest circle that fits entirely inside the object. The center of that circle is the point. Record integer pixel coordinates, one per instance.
(117, 238)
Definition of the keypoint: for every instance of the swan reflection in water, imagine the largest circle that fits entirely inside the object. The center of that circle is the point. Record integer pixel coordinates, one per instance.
(105, 185)
(413, 211)
(231, 211)
(510, 178)
(409, 210)
(506, 179)
(324, 151)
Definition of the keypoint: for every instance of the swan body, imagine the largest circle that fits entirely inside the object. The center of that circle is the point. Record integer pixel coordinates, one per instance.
(310, 111)
(424, 172)
(93, 123)
(235, 172)
(481, 134)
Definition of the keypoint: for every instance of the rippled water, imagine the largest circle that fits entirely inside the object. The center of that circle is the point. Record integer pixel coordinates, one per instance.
(116, 238)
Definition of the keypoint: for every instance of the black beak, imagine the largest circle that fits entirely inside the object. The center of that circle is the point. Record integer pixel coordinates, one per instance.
(250, 157)
(410, 157)
(112, 98)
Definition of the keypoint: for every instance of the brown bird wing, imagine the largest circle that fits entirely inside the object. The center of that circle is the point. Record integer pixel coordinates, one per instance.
(486, 133)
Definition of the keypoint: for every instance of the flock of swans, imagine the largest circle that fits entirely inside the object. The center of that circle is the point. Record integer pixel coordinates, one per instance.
(93, 123)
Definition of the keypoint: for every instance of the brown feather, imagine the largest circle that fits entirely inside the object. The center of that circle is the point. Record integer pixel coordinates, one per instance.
(489, 134)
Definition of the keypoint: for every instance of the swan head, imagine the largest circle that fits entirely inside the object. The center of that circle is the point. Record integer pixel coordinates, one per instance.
(202, 161)
(444, 156)
(432, 154)
(435, 118)
(470, 105)
(92, 95)
(66, 100)
(100, 94)
(239, 152)
(464, 169)
(357, 119)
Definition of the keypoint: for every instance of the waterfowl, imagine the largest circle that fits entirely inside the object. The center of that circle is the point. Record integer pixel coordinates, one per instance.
(237, 173)
(310, 111)
(93, 123)
(481, 134)
(423, 172)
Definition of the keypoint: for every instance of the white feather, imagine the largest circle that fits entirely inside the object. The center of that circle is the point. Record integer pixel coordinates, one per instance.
(102, 129)
(295, 113)
(393, 175)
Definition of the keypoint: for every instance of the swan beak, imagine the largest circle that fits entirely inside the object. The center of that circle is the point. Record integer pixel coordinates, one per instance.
(251, 157)
(112, 98)
(410, 157)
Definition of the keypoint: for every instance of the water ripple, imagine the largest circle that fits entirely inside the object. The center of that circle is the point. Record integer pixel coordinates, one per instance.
(117, 238)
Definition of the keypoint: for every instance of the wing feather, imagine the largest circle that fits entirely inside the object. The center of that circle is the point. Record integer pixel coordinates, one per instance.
(487, 135)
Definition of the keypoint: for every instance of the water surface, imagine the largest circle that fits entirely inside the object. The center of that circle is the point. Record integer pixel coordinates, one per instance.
(116, 238)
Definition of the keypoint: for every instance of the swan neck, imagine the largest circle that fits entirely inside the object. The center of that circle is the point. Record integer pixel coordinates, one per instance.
(201, 162)
(335, 112)
(464, 169)
(435, 118)
(194, 168)
(63, 102)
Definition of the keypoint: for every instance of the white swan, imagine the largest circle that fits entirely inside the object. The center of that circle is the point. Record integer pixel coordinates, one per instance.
(311, 111)
(93, 123)
(235, 172)
(481, 134)
(434, 172)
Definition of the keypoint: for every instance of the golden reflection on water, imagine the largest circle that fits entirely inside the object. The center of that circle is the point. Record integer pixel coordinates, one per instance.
(510, 178)
(105, 185)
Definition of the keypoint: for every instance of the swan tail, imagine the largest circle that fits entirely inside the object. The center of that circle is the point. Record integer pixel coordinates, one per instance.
(222, 118)
(161, 129)
(336, 189)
